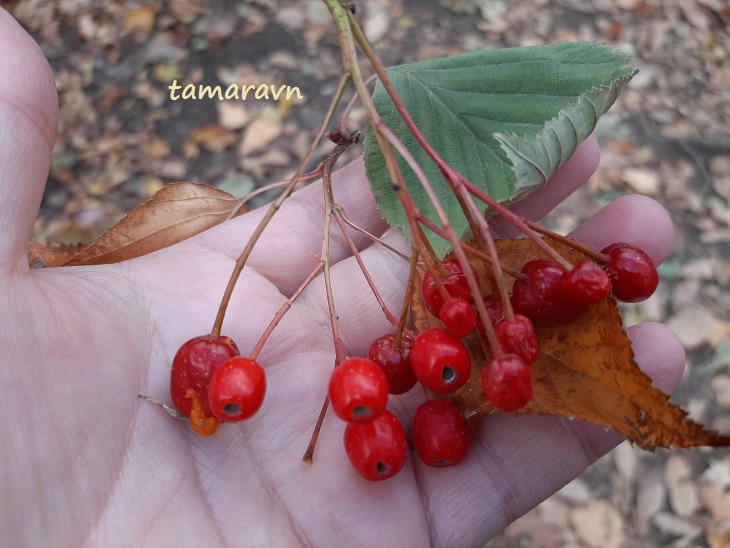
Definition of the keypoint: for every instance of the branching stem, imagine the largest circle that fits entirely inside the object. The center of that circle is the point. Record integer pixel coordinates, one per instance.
(273, 208)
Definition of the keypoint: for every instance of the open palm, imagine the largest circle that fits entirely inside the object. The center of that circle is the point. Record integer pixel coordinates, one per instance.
(85, 462)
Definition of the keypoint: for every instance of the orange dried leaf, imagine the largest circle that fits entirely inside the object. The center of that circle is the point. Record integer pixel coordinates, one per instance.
(586, 370)
(42, 255)
(175, 213)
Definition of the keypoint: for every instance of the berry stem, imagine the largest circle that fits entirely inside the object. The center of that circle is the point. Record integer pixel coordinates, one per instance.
(515, 220)
(273, 208)
(308, 456)
(478, 253)
(243, 201)
(348, 222)
(340, 354)
(406, 301)
(447, 232)
(494, 259)
(345, 26)
(336, 209)
(589, 252)
(327, 166)
(350, 104)
(283, 310)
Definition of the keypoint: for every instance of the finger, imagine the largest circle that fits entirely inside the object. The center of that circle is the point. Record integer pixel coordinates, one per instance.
(520, 461)
(28, 121)
(632, 219)
(292, 243)
(571, 176)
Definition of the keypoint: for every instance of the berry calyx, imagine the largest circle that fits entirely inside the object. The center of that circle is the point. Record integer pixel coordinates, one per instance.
(633, 276)
(454, 282)
(507, 382)
(539, 297)
(192, 368)
(458, 317)
(517, 336)
(440, 361)
(587, 283)
(358, 390)
(237, 389)
(378, 450)
(395, 363)
(440, 433)
(200, 423)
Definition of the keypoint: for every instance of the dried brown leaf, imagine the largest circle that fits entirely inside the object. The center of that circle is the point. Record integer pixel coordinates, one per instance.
(586, 371)
(175, 213)
(215, 138)
(42, 255)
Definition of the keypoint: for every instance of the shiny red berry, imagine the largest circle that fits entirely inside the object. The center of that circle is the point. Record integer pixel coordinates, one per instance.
(358, 390)
(517, 336)
(237, 389)
(440, 361)
(440, 433)
(458, 317)
(633, 275)
(395, 363)
(192, 368)
(586, 283)
(507, 382)
(539, 297)
(378, 450)
(455, 283)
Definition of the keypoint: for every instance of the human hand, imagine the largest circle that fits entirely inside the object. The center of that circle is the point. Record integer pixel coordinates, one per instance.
(86, 462)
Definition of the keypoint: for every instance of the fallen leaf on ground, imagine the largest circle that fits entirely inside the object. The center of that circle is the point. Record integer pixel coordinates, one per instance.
(214, 138)
(586, 370)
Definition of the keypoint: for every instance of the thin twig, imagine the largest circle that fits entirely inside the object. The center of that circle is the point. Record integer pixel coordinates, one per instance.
(273, 208)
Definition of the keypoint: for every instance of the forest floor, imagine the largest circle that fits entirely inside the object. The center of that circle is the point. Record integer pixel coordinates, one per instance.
(121, 139)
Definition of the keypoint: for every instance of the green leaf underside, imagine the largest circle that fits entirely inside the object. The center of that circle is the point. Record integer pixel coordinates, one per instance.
(506, 119)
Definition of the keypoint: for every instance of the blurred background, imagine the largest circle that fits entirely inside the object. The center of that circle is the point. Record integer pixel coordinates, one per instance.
(121, 138)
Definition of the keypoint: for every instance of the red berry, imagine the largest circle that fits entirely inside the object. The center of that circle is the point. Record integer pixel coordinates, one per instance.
(632, 273)
(440, 361)
(378, 450)
(539, 297)
(587, 283)
(395, 363)
(454, 282)
(495, 311)
(193, 367)
(237, 389)
(440, 433)
(458, 317)
(507, 382)
(358, 390)
(518, 337)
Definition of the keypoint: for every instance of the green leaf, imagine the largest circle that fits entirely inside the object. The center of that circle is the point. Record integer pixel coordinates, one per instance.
(505, 119)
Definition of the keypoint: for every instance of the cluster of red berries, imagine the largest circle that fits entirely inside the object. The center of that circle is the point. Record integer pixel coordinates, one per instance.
(375, 440)
(545, 295)
(212, 383)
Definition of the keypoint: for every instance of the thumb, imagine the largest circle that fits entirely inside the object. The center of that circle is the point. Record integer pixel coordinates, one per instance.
(28, 121)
